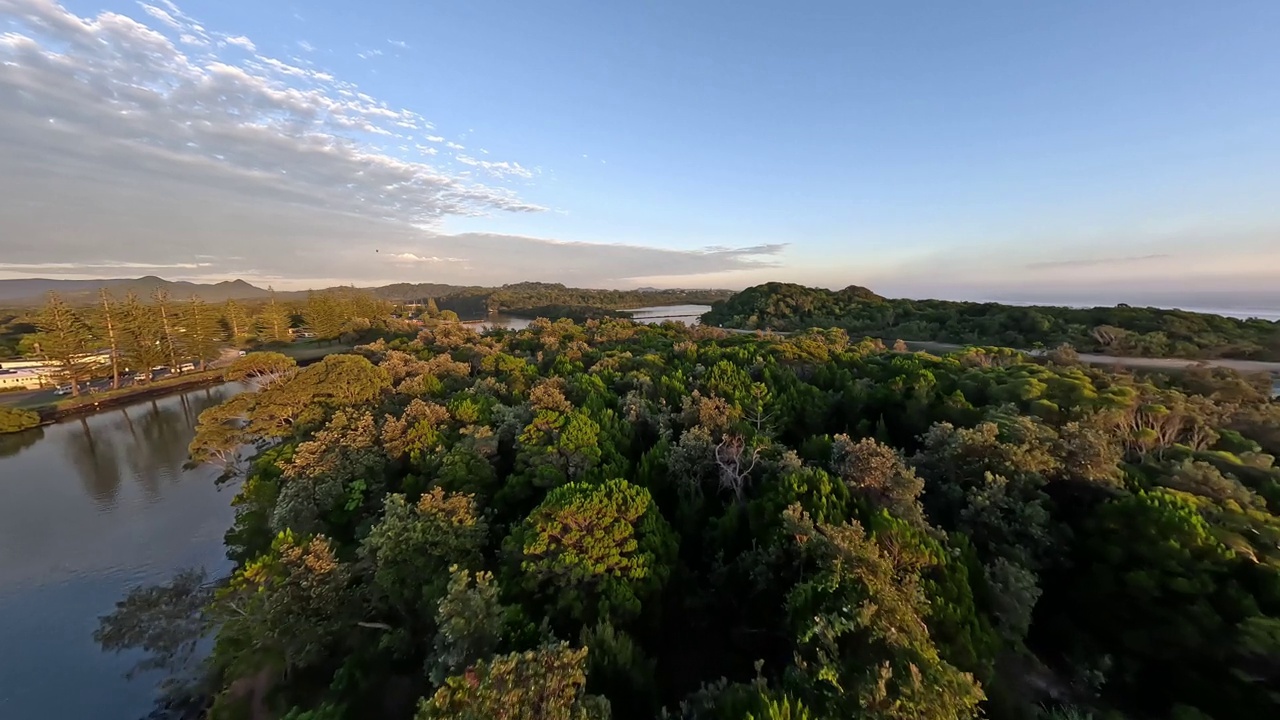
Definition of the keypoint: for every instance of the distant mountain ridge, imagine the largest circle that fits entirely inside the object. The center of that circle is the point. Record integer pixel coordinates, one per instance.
(29, 290)
(468, 298)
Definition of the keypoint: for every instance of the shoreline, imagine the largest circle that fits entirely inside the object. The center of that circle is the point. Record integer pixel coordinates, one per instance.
(52, 415)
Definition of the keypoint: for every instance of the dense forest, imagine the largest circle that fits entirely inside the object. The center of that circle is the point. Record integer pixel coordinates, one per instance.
(1120, 330)
(614, 520)
(553, 300)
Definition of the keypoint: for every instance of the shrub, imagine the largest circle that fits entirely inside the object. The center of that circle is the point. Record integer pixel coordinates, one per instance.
(16, 419)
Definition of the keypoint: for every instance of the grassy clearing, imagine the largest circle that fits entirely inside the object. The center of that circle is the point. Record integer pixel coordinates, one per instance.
(311, 350)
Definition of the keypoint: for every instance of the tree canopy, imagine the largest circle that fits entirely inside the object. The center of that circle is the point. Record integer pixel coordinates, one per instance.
(1119, 330)
(612, 520)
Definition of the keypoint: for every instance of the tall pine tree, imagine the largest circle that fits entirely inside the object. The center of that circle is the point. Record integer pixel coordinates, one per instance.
(168, 320)
(67, 340)
(109, 319)
(325, 314)
(142, 336)
(202, 334)
(274, 321)
(236, 321)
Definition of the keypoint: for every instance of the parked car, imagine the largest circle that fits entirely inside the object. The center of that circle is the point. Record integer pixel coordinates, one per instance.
(62, 390)
(186, 367)
(243, 353)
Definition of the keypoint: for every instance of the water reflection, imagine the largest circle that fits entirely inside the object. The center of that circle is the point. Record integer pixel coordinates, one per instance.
(88, 509)
(96, 464)
(14, 443)
(686, 314)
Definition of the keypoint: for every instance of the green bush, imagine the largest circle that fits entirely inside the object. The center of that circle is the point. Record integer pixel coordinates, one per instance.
(16, 420)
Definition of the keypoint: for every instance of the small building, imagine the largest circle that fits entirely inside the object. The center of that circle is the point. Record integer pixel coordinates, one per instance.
(21, 380)
(102, 357)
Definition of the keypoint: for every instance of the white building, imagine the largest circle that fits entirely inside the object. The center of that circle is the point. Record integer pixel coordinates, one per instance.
(21, 380)
(102, 357)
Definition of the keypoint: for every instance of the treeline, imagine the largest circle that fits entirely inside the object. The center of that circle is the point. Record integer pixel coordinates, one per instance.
(530, 299)
(118, 337)
(16, 324)
(612, 520)
(1120, 330)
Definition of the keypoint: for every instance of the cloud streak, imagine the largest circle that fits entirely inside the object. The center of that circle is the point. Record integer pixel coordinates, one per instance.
(496, 169)
(1096, 262)
(140, 143)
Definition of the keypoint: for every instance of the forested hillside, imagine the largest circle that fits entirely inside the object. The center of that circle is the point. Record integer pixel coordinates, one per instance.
(529, 299)
(612, 520)
(554, 300)
(1120, 330)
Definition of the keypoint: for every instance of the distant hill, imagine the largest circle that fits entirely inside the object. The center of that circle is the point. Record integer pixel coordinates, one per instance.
(32, 290)
(469, 301)
(1117, 330)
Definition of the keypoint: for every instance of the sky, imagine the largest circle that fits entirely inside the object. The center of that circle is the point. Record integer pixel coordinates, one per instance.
(982, 149)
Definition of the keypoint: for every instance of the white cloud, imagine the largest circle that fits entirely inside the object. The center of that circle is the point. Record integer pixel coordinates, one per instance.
(454, 146)
(411, 257)
(400, 44)
(367, 54)
(497, 169)
(283, 67)
(115, 135)
(162, 16)
(306, 46)
(434, 138)
(241, 41)
(66, 267)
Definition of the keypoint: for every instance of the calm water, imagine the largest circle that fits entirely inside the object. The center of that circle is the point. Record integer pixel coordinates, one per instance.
(89, 509)
(1271, 314)
(687, 314)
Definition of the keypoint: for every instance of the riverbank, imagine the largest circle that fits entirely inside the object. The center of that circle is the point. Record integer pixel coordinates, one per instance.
(97, 402)
(55, 410)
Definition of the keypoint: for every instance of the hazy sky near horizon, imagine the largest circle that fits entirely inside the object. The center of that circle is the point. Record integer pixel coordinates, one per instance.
(953, 149)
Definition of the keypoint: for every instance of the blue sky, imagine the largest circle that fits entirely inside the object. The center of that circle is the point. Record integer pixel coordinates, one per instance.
(960, 149)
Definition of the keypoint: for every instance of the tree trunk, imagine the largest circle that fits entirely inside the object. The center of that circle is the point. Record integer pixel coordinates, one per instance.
(111, 339)
(168, 337)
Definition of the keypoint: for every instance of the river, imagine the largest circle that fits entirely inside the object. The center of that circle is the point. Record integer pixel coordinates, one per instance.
(687, 314)
(90, 508)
